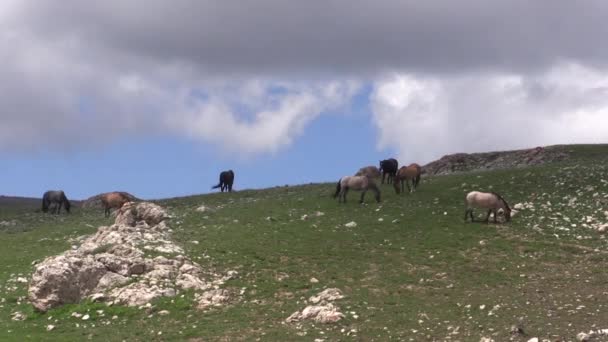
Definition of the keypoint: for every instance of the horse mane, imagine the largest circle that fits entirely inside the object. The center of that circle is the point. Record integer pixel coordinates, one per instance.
(502, 199)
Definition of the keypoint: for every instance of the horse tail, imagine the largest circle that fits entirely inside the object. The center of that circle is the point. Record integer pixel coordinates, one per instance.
(216, 186)
(66, 202)
(45, 205)
(338, 188)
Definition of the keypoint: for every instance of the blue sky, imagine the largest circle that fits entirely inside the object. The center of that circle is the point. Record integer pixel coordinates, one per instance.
(333, 145)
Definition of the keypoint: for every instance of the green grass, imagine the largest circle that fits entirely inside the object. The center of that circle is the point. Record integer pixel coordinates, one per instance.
(419, 278)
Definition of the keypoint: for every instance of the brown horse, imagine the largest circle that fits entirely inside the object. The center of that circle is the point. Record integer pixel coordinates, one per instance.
(404, 175)
(486, 200)
(369, 171)
(113, 200)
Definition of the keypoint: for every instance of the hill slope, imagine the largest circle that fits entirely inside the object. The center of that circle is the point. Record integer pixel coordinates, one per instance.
(410, 269)
(467, 162)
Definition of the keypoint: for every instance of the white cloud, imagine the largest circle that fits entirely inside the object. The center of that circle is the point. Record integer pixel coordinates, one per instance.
(276, 120)
(425, 117)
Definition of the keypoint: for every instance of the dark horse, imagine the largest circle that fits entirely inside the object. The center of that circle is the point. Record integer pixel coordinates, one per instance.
(389, 167)
(58, 198)
(226, 180)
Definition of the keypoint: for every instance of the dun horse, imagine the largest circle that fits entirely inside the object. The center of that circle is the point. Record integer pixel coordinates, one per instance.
(226, 181)
(406, 174)
(369, 171)
(113, 200)
(389, 167)
(56, 197)
(358, 183)
(486, 200)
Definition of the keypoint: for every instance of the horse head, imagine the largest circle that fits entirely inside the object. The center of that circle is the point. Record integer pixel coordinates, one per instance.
(508, 214)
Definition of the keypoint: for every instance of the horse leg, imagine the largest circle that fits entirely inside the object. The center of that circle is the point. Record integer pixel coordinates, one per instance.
(383, 175)
(466, 214)
(362, 196)
(488, 216)
(344, 195)
(495, 215)
(407, 182)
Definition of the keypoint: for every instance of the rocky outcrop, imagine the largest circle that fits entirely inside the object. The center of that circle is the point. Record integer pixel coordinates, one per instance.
(112, 265)
(464, 162)
(95, 201)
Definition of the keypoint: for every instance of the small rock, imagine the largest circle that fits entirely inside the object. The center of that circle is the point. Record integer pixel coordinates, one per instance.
(314, 280)
(85, 317)
(163, 312)
(304, 217)
(351, 224)
(50, 327)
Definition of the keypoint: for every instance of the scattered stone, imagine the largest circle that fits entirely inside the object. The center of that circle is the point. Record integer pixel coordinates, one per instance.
(211, 298)
(18, 316)
(351, 224)
(314, 280)
(324, 311)
(327, 295)
(50, 327)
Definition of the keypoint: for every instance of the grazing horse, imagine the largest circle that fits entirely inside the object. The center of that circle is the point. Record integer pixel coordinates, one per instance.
(486, 200)
(114, 200)
(369, 171)
(389, 167)
(226, 180)
(405, 174)
(58, 198)
(358, 183)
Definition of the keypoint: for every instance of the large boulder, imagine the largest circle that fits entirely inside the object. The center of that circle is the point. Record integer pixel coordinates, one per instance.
(112, 264)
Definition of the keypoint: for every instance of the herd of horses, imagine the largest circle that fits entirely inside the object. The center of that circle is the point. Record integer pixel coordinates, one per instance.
(363, 180)
(390, 172)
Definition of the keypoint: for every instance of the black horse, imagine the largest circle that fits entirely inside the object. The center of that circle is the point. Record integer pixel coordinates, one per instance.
(389, 167)
(226, 180)
(58, 198)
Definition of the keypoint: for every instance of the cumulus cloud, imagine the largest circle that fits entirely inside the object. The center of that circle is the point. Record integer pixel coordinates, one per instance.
(425, 117)
(252, 75)
(280, 114)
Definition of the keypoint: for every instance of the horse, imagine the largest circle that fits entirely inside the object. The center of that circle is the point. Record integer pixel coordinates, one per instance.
(58, 197)
(486, 200)
(404, 175)
(358, 183)
(389, 167)
(114, 200)
(226, 181)
(369, 171)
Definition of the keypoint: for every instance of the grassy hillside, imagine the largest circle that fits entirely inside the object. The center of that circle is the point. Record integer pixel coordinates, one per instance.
(410, 269)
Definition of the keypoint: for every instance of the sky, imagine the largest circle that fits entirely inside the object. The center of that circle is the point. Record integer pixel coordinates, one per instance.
(156, 97)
